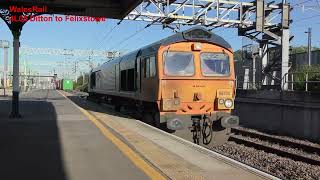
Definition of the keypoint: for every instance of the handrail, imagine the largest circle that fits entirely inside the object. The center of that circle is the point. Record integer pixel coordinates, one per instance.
(306, 78)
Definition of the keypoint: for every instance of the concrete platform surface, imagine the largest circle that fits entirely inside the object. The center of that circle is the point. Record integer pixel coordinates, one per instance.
(54, 140)
(176, 157)
(62, 136)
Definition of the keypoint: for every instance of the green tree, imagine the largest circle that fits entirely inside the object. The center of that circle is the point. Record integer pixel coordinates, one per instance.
(302, 49)
(79, 85)
(238, 55)
(313, 73)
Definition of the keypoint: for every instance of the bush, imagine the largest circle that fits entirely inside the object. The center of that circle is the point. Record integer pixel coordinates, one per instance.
(83, 88)
(313, 75)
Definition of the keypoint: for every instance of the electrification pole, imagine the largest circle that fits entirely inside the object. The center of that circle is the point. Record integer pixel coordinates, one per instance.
(309, 46)
(285, 42)
(83, 78)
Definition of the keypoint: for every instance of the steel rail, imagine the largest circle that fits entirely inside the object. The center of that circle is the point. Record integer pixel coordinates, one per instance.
(273, 150)
(273, 139)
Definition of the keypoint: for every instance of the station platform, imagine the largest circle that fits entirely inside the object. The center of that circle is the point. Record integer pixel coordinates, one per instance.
(62, 136)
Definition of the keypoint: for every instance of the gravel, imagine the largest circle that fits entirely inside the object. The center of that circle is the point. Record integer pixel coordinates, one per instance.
(278, 166)
(287, 138)
(283, 148)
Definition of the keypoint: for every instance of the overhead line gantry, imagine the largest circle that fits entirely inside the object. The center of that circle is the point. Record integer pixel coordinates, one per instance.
(265, 23)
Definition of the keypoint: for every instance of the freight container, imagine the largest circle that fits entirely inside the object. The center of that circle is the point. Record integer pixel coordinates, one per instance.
(67, 85)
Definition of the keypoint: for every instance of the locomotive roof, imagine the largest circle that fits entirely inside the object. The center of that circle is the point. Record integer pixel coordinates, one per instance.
(196, 34)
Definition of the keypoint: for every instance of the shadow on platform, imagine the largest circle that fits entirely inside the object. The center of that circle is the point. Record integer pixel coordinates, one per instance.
(103, 108)
(30, 147)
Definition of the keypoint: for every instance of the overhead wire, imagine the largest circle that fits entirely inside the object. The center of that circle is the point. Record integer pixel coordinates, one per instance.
(122, 49)
(108, 34)
(129, 37)
(303, 2)
(97, 37)
(310, 17)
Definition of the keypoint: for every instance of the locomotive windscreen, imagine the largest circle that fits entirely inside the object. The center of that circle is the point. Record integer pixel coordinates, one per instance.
(215, 64)
(178, 64)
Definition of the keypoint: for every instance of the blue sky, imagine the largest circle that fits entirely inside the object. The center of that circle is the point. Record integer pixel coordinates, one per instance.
(94, 35)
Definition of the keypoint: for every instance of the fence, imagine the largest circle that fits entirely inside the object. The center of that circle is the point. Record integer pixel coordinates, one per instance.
(302, 80)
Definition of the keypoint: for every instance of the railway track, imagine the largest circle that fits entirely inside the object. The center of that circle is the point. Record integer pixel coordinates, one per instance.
(265, 142)
(284, 142)
(275, 164)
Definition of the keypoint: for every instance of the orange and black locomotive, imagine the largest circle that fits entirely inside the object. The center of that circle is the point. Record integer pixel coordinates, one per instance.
(185, 80)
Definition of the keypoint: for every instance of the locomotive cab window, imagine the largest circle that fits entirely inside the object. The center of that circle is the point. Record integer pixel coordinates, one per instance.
(178, 63)
(150, 67)
(215, 64)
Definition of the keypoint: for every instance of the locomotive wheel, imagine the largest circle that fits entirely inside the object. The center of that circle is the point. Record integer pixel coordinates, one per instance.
(147, 118)
(117, 108)
(91, 97)
(98, 100)
(156, 119)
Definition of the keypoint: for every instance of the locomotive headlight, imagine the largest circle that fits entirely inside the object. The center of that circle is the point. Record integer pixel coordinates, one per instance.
(221, 101)
(225, 99)
(176, 101)
(228, 103)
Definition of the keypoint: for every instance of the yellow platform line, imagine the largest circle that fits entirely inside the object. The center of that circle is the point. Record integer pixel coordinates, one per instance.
(123, 147)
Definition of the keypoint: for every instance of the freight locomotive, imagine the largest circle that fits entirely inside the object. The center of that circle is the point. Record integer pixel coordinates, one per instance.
(185, 80)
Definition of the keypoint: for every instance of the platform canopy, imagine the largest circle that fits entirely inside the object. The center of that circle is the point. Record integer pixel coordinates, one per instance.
(116, 9)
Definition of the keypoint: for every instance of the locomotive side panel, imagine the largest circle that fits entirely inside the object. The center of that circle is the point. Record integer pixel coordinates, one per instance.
(133, 76)
(149, 79)
(103, 80)
(108, 78)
